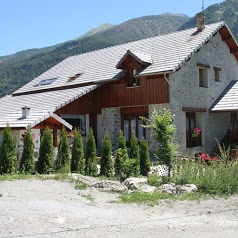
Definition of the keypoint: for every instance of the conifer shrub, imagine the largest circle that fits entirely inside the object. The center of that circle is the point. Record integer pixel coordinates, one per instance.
(8, 155)
(27, 163)
(144, 158)
(106, 157)
(77, 160)
(134, 153)
(121, 141)
(63, 152)
(121, 156)
(90, 155)
(46, 153)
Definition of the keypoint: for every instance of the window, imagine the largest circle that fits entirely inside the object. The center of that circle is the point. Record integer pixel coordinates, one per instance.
(203, 77)
(77, 121)
(134, 122)
(217, 73)
(45, 82)
(190, 125)
(132, 80)
(233, 116)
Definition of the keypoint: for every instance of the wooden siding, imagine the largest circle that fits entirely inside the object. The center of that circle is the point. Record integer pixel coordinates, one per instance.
(152, 90)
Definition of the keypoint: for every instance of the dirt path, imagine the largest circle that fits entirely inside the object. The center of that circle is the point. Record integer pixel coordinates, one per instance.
(34, 208)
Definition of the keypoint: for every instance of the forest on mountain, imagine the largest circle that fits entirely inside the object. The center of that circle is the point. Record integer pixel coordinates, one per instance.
(18, 69)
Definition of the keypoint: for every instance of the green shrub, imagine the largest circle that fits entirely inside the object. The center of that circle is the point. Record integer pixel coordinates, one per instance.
(154, 180)
(90, 155)
(121, 141)
(106, 157)
(120, 156)
(144, 158)
(63, 151)
(130, 168)
(77, 160)
(8, 155)
(46, 153)
(27, 163)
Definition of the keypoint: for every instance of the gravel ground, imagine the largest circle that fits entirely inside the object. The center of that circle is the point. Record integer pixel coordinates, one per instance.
(35, 208)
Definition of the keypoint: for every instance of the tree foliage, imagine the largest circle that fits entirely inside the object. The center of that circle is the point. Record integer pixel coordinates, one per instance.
(46, 153)
(163, 131)
(77, 160)
(63, 151)
(106, 157)
(144, 158)
(90, 155)
(27, 163)
(121, 141)
(8, 155)
(134, 151)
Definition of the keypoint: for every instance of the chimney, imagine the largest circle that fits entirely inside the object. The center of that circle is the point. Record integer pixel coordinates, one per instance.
(25, 111)
(200, 21)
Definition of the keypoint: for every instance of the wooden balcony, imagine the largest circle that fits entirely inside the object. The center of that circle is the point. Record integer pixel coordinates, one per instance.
(231, 137)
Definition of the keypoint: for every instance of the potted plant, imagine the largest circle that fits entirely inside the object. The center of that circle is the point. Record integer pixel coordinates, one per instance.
(196, 132)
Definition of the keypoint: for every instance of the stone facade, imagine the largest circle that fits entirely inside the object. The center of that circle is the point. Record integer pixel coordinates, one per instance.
(110, 121)
(185, 92)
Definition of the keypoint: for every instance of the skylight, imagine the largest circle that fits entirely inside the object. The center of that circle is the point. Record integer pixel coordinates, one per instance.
(45, 82)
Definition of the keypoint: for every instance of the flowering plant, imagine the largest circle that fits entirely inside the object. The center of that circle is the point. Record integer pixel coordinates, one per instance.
(206, 157)
(196, 132)
(24, 134)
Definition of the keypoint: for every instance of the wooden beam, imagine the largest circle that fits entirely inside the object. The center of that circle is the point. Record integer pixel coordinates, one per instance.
(217, 68)
(234, 50)
(203, 65)
(55, 139)
(226, 38)
(193, 109)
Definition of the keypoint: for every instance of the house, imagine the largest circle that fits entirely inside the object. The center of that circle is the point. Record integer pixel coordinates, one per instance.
(193, 72)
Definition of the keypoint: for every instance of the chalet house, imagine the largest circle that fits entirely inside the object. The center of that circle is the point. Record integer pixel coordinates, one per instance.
(193, 72)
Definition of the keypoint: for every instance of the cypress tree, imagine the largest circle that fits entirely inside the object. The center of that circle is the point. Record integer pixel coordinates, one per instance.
(106, 157)
(134, 152)
(144, 158)
(46, 154)
(121, 141)
(77, 160)
(8, 156)
(90, 155)
(27, 163)
(63, 151)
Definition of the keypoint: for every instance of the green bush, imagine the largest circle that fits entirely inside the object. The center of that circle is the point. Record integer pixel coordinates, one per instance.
(90, 155)
(77, 160)
(121, 141)
(27, 163)
(106, 157)
(8, 155)
(144, 158)
(46, 153)
(63, 151)
(120, 156)
(154, 180)
(130, 168)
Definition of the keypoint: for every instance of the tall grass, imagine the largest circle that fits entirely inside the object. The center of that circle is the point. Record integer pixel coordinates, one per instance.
(217, 177)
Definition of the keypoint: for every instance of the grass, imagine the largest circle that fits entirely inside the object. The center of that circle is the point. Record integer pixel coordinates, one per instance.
(89, 197)
(79, 185)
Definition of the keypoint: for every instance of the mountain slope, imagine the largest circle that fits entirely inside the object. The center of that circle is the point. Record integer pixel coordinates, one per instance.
(15, 72)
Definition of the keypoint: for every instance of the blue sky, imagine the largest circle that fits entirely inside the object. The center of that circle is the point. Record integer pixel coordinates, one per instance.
(27, 24)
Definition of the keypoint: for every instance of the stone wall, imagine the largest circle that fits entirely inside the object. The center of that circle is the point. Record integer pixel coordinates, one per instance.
(110, 121)
(185, 92)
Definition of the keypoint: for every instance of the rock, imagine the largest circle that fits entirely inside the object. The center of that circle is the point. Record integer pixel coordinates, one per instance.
(168, 188)
(135, 183)
(186, 188)
(108, 185)
(85, 179)
(147, 188)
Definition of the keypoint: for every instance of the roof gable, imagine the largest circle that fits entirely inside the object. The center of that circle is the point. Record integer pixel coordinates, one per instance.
(141, 58)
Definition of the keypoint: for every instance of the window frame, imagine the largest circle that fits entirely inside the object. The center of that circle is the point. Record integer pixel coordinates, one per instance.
(131, 80)
(217, 74)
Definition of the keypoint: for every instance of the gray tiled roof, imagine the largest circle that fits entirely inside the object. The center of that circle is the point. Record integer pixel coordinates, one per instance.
(228, 100)
(168, 52)
(42, 106)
